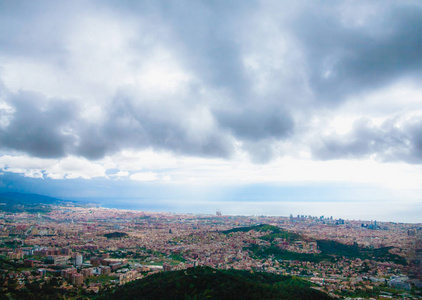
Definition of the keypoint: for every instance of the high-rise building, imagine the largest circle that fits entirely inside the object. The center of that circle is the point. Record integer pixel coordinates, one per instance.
(78, 260)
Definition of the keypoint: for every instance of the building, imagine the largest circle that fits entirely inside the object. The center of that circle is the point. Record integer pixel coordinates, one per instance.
(60, 260)
(67, 274)
(127, 277)
(105, 270)
(87, 272)
(96, 262)
(28, 263)
(78, 260)
(77, 279)
(167, 267)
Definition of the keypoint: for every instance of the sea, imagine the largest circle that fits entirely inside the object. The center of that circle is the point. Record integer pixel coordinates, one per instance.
(386, 211)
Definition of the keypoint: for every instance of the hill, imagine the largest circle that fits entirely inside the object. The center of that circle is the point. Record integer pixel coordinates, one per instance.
(115, 235)
(330, 250)
(208, 283)
(32, 203)
(274, 232)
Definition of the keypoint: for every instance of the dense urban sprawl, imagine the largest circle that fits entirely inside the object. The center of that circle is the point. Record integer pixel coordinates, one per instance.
(86, 250)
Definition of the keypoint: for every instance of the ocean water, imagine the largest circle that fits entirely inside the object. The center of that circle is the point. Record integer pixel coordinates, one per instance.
(387, 211)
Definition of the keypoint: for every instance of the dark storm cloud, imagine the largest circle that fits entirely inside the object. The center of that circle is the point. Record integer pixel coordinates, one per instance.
(135, 124)
(34, 29)
(51, 129)
(207, 36)
(262, 151)
(211, 43)
(344, 59)
(38, 127)
(414, 142)
(210, 40)
(388, 142)
(257, 123)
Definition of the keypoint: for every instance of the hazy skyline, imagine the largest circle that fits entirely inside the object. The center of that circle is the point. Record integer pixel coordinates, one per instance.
(216, 104)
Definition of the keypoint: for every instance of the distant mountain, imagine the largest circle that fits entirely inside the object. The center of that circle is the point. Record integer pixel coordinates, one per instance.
(208, 283)
(29, 198)
(20, 202)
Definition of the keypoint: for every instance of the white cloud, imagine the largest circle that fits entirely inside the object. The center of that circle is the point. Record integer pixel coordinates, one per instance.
(284, 171)
(121, 174)
(70, 167)
(26, 173)
(25, 162)
(167, 178)
(401, 98)
(73, 167)
(128, 160)
(150, 166)
(148, 176)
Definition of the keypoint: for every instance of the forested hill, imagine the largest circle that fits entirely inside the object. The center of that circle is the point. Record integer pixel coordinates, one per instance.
(28, 198)
(208, 283)
(20, 202)
(330, 250)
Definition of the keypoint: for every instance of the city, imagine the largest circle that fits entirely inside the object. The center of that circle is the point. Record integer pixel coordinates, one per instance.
(83, 251)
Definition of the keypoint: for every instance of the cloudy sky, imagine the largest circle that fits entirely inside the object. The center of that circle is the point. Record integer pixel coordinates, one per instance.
(256, 107)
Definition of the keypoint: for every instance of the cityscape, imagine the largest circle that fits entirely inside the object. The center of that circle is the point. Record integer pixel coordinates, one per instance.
(86, 251)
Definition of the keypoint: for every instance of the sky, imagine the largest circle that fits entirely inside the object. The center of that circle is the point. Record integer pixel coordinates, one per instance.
(248, 107)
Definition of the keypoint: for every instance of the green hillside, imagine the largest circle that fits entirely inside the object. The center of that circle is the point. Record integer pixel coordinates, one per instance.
(260, 227)
(115, 234)
(330, 250)
(208, 283)
(31, 203)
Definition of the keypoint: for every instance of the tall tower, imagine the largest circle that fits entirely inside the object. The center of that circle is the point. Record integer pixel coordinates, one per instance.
(78, 260)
